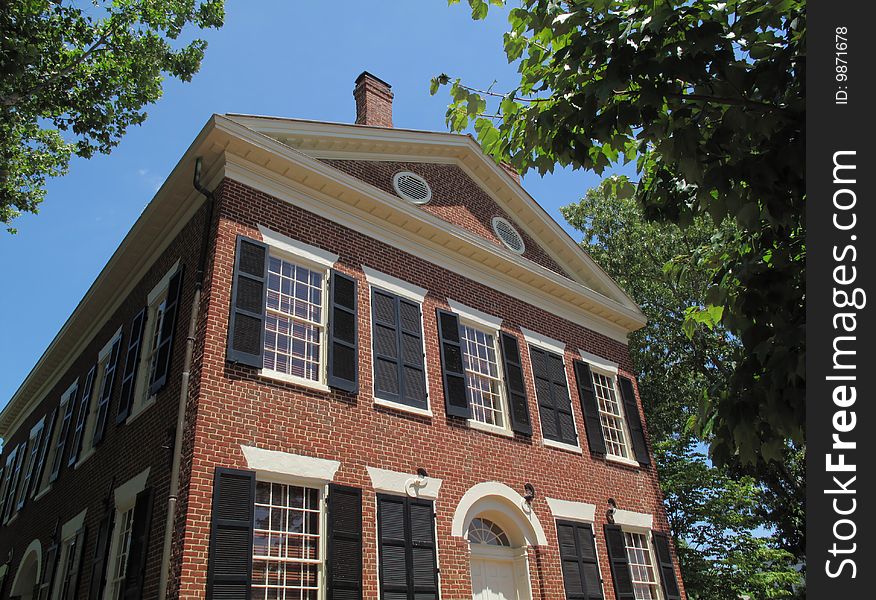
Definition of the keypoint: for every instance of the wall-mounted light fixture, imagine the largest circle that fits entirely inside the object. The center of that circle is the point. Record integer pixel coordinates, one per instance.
(612, 508)
(528, 492)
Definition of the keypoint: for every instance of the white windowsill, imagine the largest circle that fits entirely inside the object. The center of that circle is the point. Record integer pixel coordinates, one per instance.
(423, 412)
(561, 446)
(622, 461)
(285, 378)
(43, 492)
(84, 457)
(490, 428)
(137, 411)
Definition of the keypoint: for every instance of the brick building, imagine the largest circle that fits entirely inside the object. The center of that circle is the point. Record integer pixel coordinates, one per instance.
(350, 361)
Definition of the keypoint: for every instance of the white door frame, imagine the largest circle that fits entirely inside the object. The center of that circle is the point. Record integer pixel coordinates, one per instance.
(517, 557)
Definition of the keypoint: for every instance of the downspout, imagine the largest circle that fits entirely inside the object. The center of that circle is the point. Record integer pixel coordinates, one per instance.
(173, 493)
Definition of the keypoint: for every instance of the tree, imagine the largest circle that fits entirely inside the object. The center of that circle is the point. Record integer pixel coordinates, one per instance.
(708, 98)
(75, 75)
(714, 511)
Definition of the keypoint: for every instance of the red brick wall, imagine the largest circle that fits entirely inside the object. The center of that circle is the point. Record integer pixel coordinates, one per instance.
(127, 449)
(455, 198)
(236, 406)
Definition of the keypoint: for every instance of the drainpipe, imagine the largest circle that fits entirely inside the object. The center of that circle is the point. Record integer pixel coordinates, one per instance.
(173, 494)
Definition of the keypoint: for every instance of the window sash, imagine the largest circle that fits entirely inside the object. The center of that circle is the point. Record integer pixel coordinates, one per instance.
(496, 414)
(123, 548)
(641, 565)
(611, 416)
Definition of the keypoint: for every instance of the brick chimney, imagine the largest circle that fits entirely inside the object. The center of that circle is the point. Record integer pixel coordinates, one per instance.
(510, 170)
(373, 101)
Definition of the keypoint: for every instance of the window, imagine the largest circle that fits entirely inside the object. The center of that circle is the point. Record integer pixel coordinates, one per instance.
(554, 403)
(482, 376)
(295, 321)
(406, 548)
(11, 471)
(35, 443)
(286, 556)
(97, 403)
(611, 416)
(68, 568)
(116, 585)
(154, 321)
(484, 531)
(641, 566)
(580, 565)
(58, 441)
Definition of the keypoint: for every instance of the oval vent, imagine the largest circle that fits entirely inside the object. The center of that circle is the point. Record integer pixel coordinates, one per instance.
(412, 187)
(510, 237)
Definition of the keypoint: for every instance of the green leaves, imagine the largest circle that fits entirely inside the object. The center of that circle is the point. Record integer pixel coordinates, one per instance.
(73, 83)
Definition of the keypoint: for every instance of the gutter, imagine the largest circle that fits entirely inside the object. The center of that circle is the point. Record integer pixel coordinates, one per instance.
(176, 460)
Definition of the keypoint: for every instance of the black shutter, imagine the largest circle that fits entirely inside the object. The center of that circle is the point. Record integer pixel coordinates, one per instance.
(132, 361)
(413, 367)
(101, 556)
(552, 393)
(229, 572)
(344, 564)
(106, 393)
(589, 407)
(136, 568)
(63, 434)
(384, 333)
(671, 590)
(164, 350)
(581, 576)
(246, 326)
(74, 567)
(620, 565)
(407, 548)
(343, 357)
(453, 373)
(634, 421)
(515, 386)
(44, 449)
(84, 406)
(47, 577)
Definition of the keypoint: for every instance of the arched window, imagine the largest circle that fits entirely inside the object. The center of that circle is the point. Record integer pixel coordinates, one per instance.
(484, 531)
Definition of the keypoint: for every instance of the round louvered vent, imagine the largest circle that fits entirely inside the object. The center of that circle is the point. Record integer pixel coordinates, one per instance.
(510, 237)
(411, 186)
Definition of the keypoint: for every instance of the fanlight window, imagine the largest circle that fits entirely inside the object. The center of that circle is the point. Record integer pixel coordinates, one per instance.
(484, 531)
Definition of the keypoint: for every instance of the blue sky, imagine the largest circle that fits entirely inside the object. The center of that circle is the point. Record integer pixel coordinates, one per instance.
(295, 59)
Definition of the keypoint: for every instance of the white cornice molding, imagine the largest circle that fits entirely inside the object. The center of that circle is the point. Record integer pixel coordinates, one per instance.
(273, 463)
(474, 315)
(395, 285)
(297, 248)
(573, 511)
(395, 482)
(542, 341)
(628, 518)
(600, 363)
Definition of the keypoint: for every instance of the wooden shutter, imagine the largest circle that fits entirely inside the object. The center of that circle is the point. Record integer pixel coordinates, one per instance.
(589, 407)
(620, 565)
(407, 548)
(344, 532)
(581, 577)
(44, 449)
(74, 567)
(671, 590)
(106, 393)
(384, 333)
(552, 393)
(246, 326)
(229, 571)
(343, 356)
(634, 421)
(63, 434)
(413, 367)
(515, 386)
(136, 568)
(132, 361)
(101, 555)
(84, 407)
(456, 401)
(47, 577)
(164, 350)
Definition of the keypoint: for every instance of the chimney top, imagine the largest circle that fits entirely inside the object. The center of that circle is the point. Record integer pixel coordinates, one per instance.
(373, 101)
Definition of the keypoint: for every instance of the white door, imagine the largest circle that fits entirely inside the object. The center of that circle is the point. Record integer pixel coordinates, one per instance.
(493, 579)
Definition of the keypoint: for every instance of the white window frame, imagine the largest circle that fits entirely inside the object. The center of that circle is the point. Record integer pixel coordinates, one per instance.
(103, 358)
(45, 485)
(408, 291)
(609, 369)
(68, 534)
(125, 499)
(323, 488)
(317, 266)
(648, 536)
(157, 295)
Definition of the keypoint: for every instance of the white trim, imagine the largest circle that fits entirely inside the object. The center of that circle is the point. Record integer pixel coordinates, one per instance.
(395, 285)
(603, 364)
(404, 195)
(395, 482)
(36, 548)
(628, 518)
(126, 494)
(474, 315)
(70, 528)
(494, 495)
(294, 379)
(423, 412)
(475, 424)
(562, 445)
(496, 221)
(544, 342)
(104, 352)
(572, 511)
(295, 247)
(622, 460)
(162, 285)
(274, 462)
